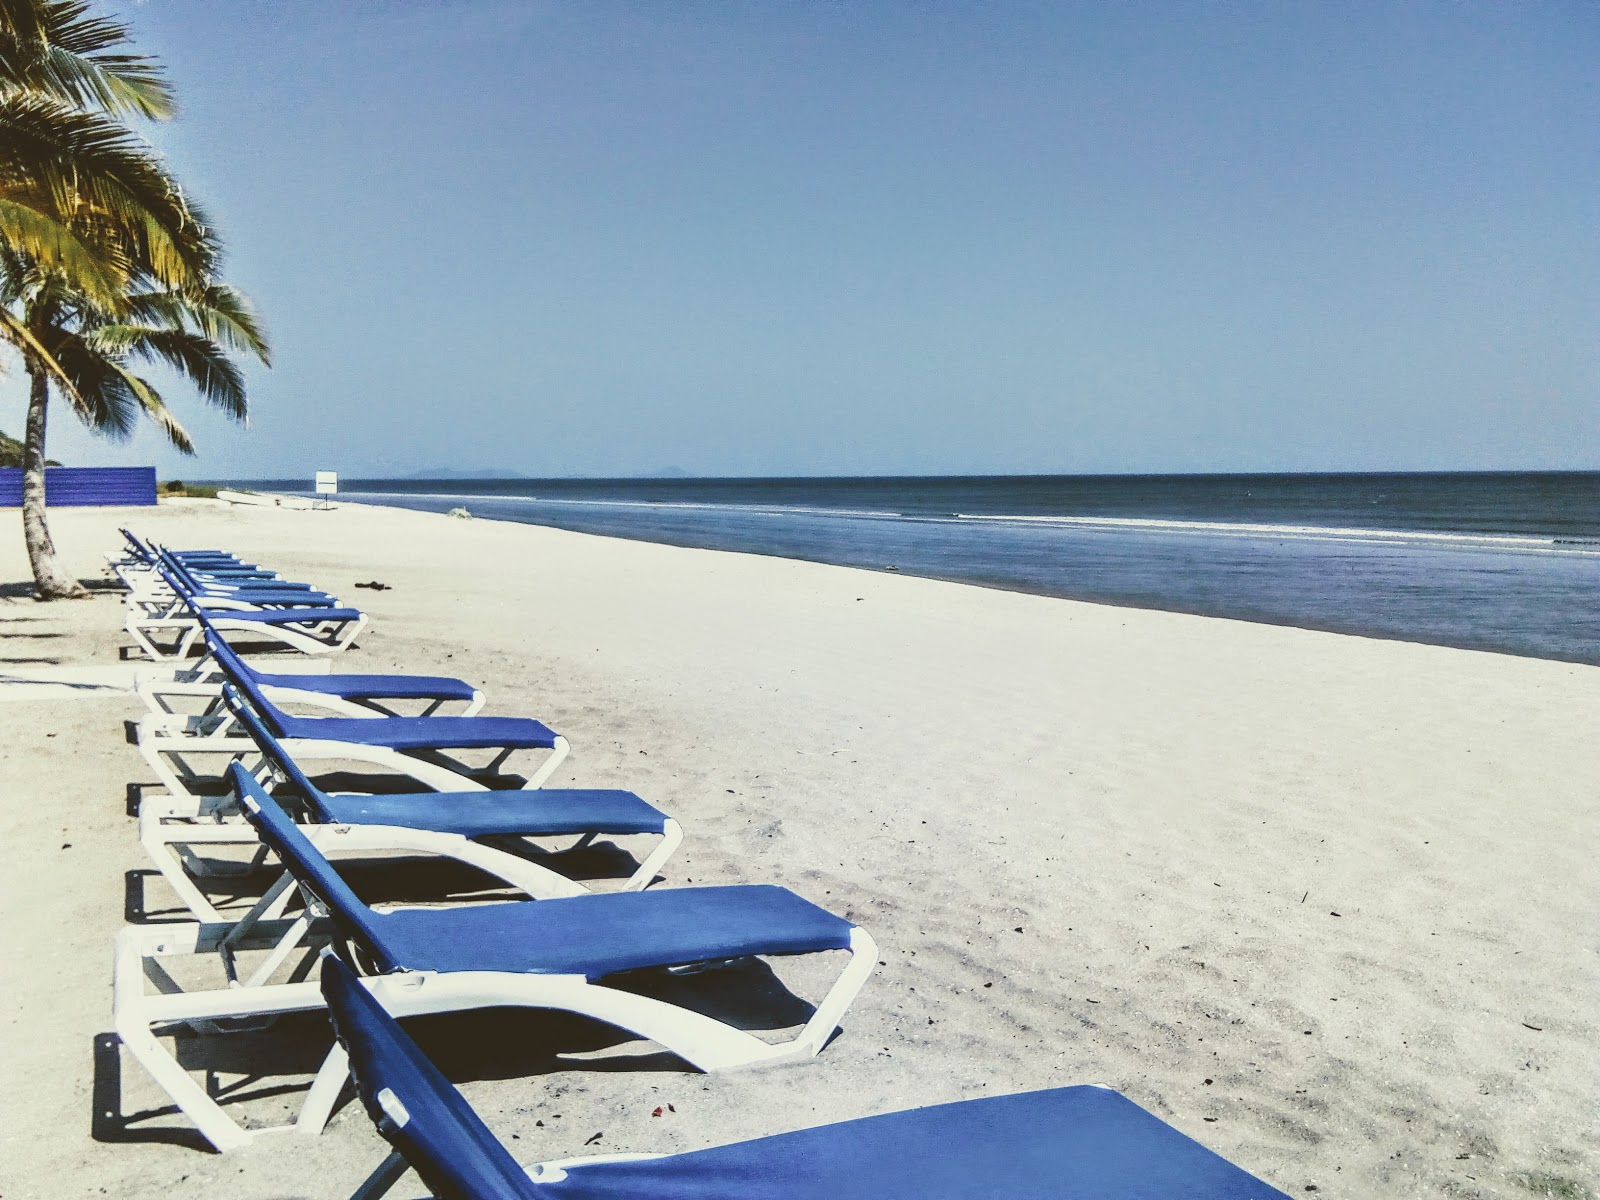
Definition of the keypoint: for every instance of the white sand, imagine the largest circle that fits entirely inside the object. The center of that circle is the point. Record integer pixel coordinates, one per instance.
(1325, 903)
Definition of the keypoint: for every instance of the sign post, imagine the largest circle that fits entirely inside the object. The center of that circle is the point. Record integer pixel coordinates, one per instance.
(327, 485)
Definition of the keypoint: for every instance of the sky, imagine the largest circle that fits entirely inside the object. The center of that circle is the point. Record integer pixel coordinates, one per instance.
(603, 238)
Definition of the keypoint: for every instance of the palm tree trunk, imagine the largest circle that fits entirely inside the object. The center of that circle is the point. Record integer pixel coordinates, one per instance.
(50, 581)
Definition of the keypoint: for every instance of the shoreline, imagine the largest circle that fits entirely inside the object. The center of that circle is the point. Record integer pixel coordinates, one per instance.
(1480, 642)
(1172, 808)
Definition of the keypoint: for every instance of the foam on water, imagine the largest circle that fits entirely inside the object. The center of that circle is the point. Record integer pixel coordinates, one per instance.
(1500, 562)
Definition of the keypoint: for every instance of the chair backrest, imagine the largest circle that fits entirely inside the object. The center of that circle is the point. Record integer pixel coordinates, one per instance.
(273, 750)
(356, 923)
(238, 673)
(137, 546)
(413, 1105)
(175, 565)
(172, 578)
(176, 574)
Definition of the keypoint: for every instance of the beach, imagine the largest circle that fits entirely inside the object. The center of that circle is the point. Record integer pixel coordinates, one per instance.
(1324, 903)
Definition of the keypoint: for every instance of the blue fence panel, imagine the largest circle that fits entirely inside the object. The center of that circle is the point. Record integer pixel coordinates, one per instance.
(66, 487)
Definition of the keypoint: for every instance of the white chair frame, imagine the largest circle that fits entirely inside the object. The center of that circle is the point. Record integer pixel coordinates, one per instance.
(158, 688)
(703, 1042)
(316, 637)
(170, 829)
(166, 742)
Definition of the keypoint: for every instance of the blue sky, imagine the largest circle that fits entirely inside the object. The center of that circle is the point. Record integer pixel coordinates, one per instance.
(596, 238)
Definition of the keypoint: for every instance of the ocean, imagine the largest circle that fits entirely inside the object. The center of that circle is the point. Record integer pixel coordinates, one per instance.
(1507, 562)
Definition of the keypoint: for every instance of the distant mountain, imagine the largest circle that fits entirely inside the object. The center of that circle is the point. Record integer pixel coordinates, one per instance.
(453, 473)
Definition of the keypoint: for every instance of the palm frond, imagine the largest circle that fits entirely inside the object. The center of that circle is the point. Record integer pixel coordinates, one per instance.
(207, 365)
(99, 394)
(56, 47)
(14, 330)
(24, 20)
(219, 311)
(155, 408)
(111, 395)
(53, 244)
(93, 168)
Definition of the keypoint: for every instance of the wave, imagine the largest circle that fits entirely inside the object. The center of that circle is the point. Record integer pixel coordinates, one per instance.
(652, 505)
(1320, 532)
(1236, 529)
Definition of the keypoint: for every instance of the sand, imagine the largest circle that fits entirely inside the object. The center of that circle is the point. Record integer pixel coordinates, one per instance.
(1325, 903)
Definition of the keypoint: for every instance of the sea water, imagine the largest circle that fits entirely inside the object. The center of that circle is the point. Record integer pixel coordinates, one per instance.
(1507, 562)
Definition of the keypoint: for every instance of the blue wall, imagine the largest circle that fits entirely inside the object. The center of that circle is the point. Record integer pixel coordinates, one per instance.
(67, 486)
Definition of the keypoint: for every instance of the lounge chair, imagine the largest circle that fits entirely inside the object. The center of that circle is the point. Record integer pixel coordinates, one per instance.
(1072, 1143)
(223, 576)
(144, 579)
(324, 629)
(548, 954)
(172, 589)
(137, 549)
(459, 825)
(347, 694)
(136, 561)
(409, 746)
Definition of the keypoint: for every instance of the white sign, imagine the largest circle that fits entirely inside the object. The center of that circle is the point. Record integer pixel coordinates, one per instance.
(327, 483)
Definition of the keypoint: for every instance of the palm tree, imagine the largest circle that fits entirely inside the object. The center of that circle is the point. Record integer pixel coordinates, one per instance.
(64, 80)
(11, 452)
(104, 263)
(94, 351)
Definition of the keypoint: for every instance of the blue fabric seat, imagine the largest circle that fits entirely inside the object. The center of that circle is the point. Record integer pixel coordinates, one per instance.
(544, 812)
(375, 687)
(274, 597)
(394, 733)
(290, 616)
(347, 687)
(232, 581)
(225, 570)
(252, 588)
(601, 934)
(1074, 1143)
(242, 586)
(593, 936)
(422, 733)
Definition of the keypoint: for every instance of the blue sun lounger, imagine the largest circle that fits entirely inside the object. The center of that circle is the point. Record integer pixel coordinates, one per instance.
(1073, 1143)
(170, 631)
(239, 588)
(458, 825)
(167, 588)
(203, 571)
(345, 693)
(140, 550)
(138, 559)
(410, 746)
(556, 954)
(397, 742)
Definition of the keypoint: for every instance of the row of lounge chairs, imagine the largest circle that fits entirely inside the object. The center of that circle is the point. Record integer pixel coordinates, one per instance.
(224, 720)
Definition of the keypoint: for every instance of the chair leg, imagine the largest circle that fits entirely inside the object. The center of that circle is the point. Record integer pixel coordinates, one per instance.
(386, 1175)
(324, 1093)
(549, 765)
(671, 837)
(136, 1014)
(164, 852)
(145, 644)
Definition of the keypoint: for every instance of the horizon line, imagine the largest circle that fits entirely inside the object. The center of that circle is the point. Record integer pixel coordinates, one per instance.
(675, 478)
